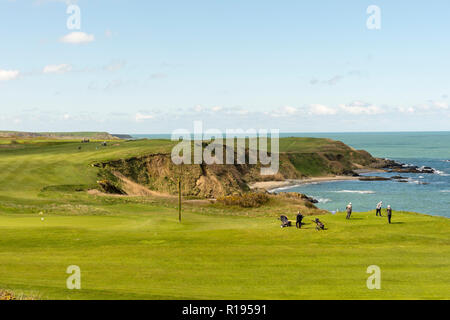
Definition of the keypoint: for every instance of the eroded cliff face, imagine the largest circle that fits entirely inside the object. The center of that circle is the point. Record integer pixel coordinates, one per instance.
(158, 172)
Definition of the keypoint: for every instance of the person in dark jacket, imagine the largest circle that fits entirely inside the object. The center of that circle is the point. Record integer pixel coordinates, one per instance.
(298, 223)
(389, 213)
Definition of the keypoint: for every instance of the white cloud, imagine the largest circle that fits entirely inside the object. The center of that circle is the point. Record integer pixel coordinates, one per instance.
(284, 112)
(290, 110)
(77, 38)
(440, 105)
(406, 109)
(359, 107)
(57, 68)
(141, 117)
(199, 108)
(219, 110)
(430, 107)
(321, 110)
(6, 75)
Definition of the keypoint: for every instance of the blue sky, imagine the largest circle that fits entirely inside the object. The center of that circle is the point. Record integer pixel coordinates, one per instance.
(156, 66)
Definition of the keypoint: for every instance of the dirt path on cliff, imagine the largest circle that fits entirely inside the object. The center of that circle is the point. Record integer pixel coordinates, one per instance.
(135, 189)
(132, 189)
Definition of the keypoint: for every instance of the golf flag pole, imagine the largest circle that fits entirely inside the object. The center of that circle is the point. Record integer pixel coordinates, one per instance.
(179, 193)
(179, 199)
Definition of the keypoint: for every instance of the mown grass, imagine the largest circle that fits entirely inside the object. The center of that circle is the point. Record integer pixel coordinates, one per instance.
(135, 248)
(147, 254)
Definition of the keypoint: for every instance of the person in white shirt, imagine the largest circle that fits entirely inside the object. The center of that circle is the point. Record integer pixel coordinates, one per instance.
(379, 208)
(349, 210)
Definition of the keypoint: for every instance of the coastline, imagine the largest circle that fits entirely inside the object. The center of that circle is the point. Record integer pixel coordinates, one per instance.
(274, 185)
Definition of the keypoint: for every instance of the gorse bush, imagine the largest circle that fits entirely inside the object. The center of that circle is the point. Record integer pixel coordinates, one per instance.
(246, 200)
(9, 295)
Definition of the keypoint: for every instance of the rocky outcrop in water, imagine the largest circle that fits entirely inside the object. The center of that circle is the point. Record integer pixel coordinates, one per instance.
(374, 178)
(393, 166)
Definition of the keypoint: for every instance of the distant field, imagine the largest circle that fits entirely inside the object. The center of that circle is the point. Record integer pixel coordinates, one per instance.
(134, 248)
(55, 135)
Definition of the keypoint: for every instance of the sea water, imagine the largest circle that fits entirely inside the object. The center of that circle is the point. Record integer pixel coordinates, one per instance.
(424, 193)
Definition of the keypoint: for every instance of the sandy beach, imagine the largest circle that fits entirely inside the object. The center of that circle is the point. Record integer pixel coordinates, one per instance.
(273, 185)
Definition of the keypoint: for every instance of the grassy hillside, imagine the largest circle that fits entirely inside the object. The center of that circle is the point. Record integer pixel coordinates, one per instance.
(57, 135)
(26, 168)
(134, 247)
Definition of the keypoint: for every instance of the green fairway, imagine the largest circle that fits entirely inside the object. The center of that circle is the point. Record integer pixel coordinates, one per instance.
(150, 255)
(135, 248)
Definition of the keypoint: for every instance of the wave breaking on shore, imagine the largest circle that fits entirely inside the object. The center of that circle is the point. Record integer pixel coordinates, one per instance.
(356, 191)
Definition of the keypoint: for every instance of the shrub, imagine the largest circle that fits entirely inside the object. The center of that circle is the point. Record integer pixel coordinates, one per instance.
(9, 295)
(246, 200)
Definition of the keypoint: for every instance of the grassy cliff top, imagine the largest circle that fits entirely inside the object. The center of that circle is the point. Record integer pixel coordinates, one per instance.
(144, 146)
(56, 135)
